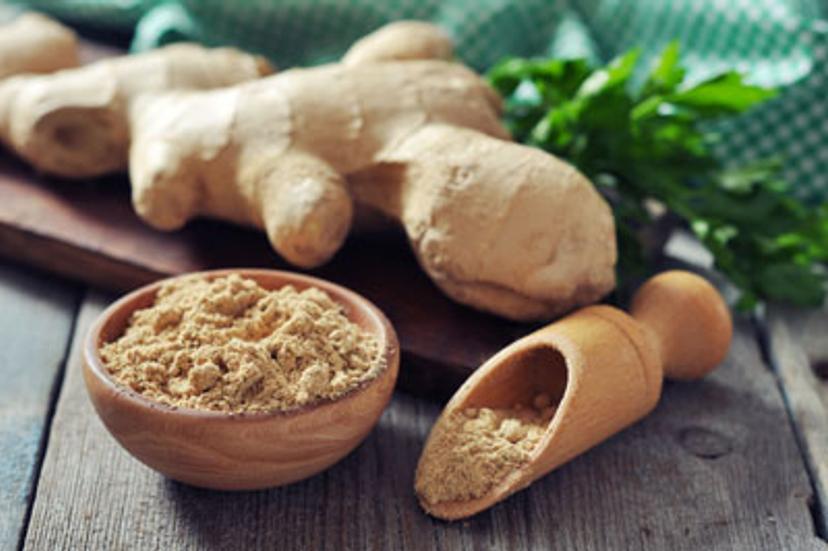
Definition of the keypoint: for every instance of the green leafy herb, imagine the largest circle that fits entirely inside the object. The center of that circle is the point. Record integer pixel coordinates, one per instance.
(648, 143)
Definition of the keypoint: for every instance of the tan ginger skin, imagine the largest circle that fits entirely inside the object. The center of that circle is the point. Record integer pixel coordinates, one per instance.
(34, 43)
(499, 226)
(401, 41)
(75, 123)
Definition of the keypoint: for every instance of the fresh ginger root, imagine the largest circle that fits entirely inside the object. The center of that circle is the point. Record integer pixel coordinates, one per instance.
(497, 225)
(274, 152)
(75, 123)
(401, 41)
(34, 43)
(500, 226)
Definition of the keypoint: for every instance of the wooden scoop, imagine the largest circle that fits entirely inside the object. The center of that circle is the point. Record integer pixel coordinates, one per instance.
(603, 367)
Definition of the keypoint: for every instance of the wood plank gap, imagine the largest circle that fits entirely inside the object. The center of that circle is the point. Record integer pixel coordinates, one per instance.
(789, 364)
(54, 396)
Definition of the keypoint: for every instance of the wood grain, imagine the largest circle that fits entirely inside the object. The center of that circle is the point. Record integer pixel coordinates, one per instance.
(716, 466)
(88, 231)
(36, 313)
(796, 342)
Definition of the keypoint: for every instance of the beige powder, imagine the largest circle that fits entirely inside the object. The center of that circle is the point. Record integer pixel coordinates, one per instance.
(474, 449)
(228, 344)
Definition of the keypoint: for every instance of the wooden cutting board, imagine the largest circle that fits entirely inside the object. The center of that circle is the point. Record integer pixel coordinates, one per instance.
(88, 231)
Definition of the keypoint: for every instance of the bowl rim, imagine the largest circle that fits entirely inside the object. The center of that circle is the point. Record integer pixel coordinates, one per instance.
(390, 357)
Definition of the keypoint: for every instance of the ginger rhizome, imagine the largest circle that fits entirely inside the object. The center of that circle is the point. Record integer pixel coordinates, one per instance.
(400, 41)
(74, 123)
(34, 43)
(496, 225)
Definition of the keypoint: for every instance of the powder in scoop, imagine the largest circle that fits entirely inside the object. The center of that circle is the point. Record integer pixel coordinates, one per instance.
(227, 344)
(474, 449)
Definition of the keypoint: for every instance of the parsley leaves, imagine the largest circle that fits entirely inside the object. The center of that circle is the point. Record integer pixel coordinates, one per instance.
(646, 143)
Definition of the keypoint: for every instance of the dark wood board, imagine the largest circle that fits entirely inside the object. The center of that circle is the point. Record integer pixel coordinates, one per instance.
(88, 231)
(36, 315)
(715, 466)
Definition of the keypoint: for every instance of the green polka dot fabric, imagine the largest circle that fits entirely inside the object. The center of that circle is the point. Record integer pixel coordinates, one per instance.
(781, 43)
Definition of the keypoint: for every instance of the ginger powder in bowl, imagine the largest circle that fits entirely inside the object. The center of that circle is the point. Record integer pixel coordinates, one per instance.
(241, 379)
(228, 344)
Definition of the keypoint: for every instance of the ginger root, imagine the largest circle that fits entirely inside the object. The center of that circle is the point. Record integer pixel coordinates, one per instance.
(401, 41)
(75, 123)
(500, 226)
(497, 225)
(34, 43)
(273, 153)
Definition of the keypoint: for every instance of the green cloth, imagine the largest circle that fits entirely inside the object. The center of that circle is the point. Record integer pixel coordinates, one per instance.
(778, 42)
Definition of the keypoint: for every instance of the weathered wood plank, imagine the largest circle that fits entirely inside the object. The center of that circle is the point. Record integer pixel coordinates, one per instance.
(715, 467)
(36, 314)
(797, 346)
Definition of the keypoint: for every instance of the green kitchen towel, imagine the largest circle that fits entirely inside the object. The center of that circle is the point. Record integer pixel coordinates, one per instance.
(780, 43)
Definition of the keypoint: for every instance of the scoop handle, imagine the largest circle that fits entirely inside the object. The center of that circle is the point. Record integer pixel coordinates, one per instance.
(689, 321)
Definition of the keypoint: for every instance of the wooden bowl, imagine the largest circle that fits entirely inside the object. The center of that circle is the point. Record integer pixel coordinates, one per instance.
(240, 451)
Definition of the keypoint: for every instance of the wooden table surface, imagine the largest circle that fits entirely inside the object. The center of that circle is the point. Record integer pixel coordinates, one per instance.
(736, 461)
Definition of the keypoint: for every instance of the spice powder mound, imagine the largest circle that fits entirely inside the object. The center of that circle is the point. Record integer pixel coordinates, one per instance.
(474, 449)
(227, 344)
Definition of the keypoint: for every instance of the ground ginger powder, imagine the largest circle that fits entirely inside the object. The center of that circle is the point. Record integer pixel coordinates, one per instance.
(474, 449)
(227, 344)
